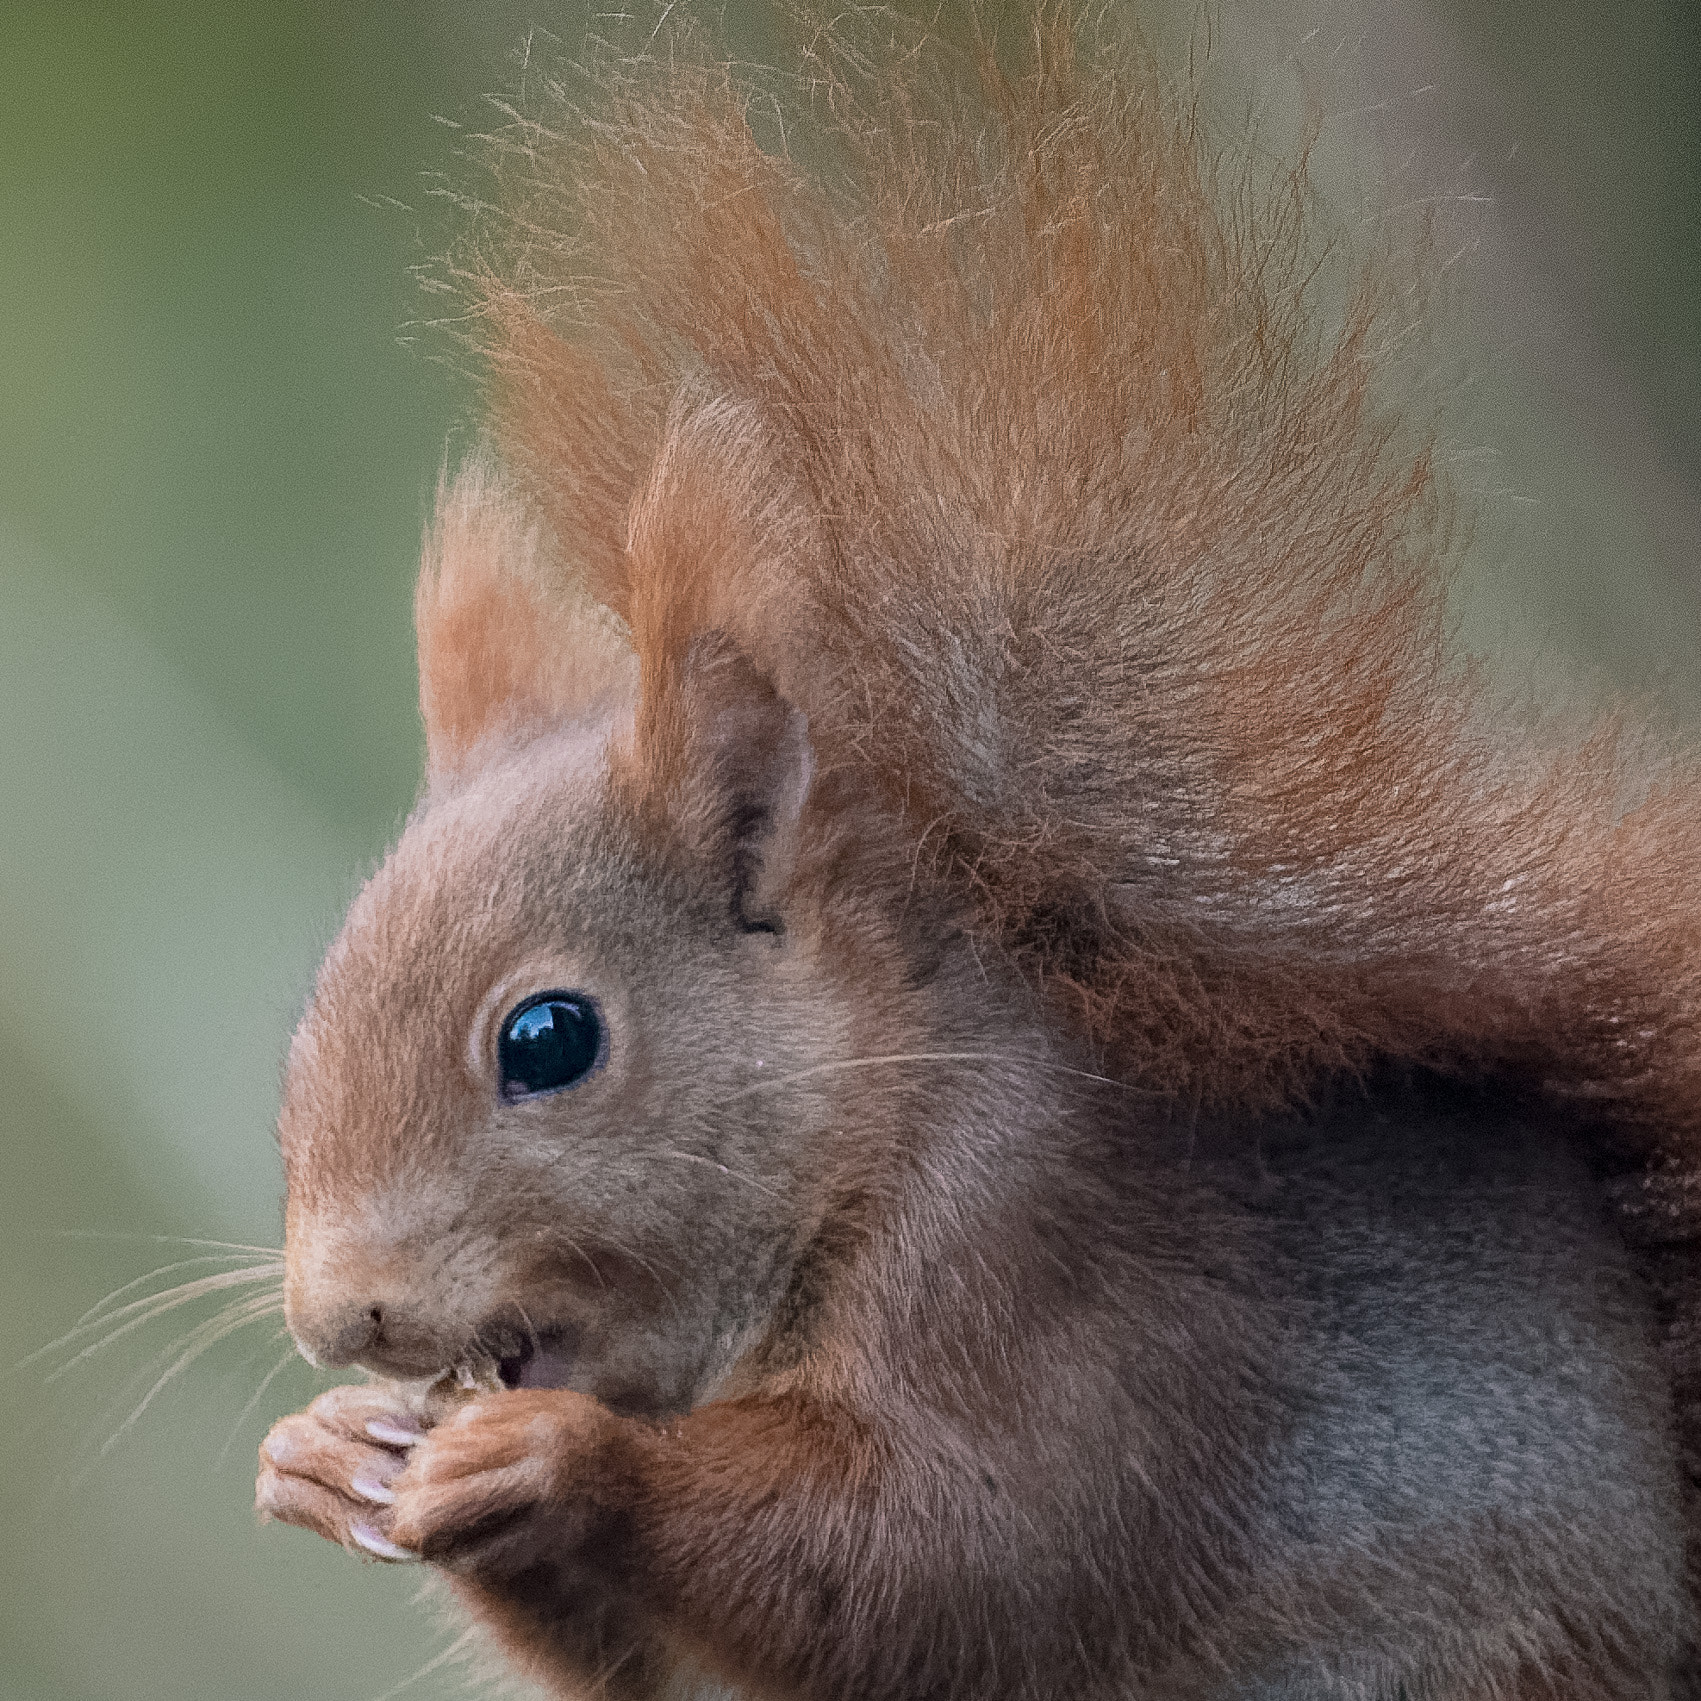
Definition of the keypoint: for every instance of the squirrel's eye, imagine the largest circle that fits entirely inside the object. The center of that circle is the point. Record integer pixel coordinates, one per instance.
(547, 1043)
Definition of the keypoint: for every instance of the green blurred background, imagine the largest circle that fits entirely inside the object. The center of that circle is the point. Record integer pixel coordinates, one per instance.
(217, 441)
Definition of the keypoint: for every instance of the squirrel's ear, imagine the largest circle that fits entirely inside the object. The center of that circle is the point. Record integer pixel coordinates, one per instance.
(748, 766)
(507, 640)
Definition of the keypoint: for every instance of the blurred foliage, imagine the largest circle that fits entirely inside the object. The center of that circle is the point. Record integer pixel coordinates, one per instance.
(217, 443)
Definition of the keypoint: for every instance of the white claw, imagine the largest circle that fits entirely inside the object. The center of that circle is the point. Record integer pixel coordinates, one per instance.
(379, 1546)
(370, 1488)
(393, 1434)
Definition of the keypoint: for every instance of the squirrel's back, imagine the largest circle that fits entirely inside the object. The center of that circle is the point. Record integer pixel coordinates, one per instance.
(1473, 1367)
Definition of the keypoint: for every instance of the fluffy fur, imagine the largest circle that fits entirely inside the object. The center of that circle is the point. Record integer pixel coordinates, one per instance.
(960, 632)
(1027, 453)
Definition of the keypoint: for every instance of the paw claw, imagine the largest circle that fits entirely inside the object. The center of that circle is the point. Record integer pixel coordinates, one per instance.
(372, 1488)
(374, 1542)
(393, 1433)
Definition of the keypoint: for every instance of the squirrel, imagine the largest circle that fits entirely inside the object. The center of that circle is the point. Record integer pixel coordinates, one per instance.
(983, 1072)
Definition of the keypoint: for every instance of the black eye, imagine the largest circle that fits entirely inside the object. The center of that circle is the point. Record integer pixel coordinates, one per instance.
(547, 1043)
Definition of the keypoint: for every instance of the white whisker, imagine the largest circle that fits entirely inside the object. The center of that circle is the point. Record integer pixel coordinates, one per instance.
(654, 1274)
(150, 1367)
(586, 1259)
(141, 1311)
(732, 1174)
(531, 1330)
(174, 1240)
(458, 1646)
(225, 1312)
(844, 1065)
(255, 1398)
(99, 1308)
(207, 1335)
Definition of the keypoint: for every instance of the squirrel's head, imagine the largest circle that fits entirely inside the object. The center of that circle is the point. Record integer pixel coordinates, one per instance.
(558, 1104)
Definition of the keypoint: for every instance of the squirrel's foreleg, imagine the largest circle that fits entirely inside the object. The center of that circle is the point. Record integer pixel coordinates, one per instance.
(771, 1542)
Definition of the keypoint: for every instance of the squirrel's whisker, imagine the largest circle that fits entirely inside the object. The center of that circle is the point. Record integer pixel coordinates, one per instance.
(531, 1328)
(209, 1334)
(655, 1275)
(175, 1240)
(259, 1393)
(584, 1258)
(839, 1066)
(606, 1673)
(99, 1309)
(456, 1648)
(726, 1170)
(145, 1310)
(225, 1312)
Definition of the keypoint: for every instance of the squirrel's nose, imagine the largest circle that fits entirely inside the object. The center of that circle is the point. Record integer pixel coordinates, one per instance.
(351, 1297)
(375, 1333)
(349, 1334)
(339, 1334)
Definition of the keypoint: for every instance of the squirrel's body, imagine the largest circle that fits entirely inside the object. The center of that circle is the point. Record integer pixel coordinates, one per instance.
(947, 1366)
(938, 743)
(1473, 1371)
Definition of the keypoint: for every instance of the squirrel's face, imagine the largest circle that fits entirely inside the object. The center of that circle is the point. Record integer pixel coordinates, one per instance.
(551, 1107)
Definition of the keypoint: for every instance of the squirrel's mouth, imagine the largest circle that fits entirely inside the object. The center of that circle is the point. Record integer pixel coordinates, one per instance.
(541, 1361)
(551, 1358)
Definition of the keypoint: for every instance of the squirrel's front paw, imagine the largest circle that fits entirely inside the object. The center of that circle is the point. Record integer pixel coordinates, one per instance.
(512, 1482)
(332, 1468)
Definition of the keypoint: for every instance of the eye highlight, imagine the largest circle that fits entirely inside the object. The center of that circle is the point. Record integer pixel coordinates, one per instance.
(552, 1040)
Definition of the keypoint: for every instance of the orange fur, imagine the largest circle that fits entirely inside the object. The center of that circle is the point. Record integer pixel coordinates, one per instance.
(501, 648)
(1025, 454)
(962, 633)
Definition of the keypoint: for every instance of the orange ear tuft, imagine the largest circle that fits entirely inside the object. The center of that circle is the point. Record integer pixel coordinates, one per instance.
(508, 640)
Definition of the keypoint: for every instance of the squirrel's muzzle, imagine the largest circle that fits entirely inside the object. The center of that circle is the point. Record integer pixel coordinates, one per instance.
(386, 1337)
(352, 1296)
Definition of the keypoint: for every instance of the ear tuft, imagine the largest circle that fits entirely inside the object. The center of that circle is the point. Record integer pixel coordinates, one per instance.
(749, 765)
(508, 639)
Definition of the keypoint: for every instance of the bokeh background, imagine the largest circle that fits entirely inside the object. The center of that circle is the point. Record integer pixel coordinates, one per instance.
(219, 427)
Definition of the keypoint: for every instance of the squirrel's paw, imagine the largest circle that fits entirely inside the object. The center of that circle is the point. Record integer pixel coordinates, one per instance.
(510, 1482)
(332, 1468)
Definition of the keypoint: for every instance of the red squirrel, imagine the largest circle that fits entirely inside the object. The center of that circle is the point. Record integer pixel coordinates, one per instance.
(993, 1075)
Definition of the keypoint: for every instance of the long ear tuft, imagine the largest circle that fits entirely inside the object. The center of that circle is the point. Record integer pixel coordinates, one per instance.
(748, 765)
(508, 641)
